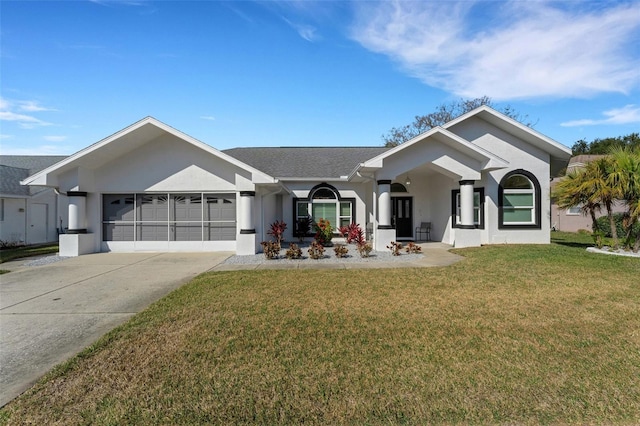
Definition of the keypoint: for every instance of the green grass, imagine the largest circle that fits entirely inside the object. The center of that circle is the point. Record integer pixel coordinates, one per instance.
(531, 334)
(16, 253)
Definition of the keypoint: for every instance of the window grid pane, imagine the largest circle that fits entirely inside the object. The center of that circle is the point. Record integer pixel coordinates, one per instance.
(517, 215)
(325, 211)
(518, 199)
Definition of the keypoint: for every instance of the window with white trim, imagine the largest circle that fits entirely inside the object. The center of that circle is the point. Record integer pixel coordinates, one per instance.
(478, 207)
(575, 210)
(324, 202)
(519, 200)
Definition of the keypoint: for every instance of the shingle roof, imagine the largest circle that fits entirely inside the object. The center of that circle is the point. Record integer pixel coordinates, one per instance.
(14, 168)
(10, 178)
(33, 163)
(581, 160)
(311, 162)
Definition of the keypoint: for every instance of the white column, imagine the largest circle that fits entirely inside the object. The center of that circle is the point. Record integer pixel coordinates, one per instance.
(385, 233)
(247, 199)
(384, 204)
(77, 212)
(466, 204)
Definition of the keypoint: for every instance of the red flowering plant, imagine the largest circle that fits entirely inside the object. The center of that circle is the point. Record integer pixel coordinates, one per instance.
(324, 232)
(276, 230)
(352, 233)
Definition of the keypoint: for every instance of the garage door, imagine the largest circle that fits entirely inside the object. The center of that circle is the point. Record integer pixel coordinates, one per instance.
(169, 217)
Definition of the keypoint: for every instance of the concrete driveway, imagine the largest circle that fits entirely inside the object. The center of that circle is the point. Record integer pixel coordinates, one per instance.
(49, 313)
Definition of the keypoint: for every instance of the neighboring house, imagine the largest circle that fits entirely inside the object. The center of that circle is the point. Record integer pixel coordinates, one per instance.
(574, 219)
(28, 214)
(482, 178)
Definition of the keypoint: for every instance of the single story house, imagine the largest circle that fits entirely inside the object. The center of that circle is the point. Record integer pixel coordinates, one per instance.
(482, 178)
(28, 214)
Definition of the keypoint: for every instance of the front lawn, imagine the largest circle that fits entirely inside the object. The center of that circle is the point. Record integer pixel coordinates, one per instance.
(511, 335)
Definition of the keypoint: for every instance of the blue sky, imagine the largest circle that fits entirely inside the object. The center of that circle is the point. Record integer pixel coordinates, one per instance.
(323, 73)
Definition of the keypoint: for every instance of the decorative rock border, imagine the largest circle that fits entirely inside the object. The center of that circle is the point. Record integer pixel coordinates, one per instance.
(607, 250)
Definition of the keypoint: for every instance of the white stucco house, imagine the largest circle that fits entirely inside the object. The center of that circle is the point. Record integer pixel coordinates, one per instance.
(482, 178)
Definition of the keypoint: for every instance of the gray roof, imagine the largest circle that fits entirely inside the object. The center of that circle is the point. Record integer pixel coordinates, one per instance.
(311, 162)
(10, 178)
(14, 168)
(33, 163)
(279, 162)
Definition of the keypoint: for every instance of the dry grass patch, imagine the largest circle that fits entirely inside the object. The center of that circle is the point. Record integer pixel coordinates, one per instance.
(524, 334)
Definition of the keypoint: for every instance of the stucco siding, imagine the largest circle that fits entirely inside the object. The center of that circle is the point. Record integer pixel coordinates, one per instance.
(167, 164)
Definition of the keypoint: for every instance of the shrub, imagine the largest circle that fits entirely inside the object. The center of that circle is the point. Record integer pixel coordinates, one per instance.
(271, 249)
(316, 250)
(620, 219)
(395, 248)
(413, 248)
(340, 250)
(293, 252)
(324, 232)
(276, 230)
(303, 228)
(353, 233)
(364, 249)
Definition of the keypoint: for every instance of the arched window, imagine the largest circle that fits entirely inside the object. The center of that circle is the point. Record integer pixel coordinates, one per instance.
(519, 196)
(398, 187)
(325, 202)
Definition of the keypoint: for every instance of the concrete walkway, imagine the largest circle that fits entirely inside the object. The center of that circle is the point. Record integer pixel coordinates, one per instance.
(49, 313)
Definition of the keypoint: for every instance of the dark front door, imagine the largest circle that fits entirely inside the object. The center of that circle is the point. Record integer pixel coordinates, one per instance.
(402, 216)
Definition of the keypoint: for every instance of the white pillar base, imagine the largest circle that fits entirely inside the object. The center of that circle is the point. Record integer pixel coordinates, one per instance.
(383, 238)
(467, 238)
(246, 244)
(73, 245)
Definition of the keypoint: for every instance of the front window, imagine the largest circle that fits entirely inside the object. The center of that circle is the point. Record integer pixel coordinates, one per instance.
(324, 202)
(478, 207)
(520, 200)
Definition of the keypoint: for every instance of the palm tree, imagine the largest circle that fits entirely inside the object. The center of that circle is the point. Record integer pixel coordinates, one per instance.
(568, 193)
(597, 184)
(626, 177)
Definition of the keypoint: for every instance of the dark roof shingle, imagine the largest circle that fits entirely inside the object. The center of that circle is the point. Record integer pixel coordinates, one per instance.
(311, 162)
(14, 168)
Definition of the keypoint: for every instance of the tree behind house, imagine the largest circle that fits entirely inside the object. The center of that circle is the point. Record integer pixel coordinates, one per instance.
(443, 114)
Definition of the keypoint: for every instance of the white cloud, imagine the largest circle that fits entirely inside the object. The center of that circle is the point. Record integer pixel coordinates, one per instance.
(13, 111)
(32, 106)
(208, 117)
(54, 138)
(307, 32)
(507, 50)
(3, 136)
(626, 115)
(24, 121)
